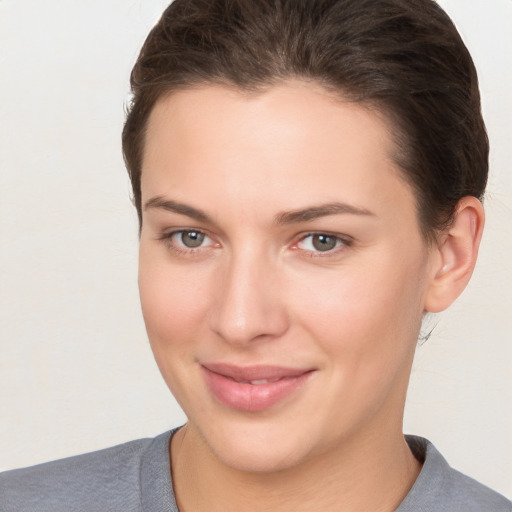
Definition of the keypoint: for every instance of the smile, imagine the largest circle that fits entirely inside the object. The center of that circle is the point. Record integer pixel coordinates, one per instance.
(255, 388)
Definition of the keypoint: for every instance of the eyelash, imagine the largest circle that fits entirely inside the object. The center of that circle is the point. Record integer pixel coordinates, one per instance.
(167, 238)
(342, 243)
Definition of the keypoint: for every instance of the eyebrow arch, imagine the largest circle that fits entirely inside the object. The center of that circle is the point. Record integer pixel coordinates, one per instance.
(290, 217)
(177, 207)
(323, 210)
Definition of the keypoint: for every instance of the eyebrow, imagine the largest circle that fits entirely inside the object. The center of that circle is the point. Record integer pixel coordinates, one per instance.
(323, 210)
(289, 217)
(176, 207)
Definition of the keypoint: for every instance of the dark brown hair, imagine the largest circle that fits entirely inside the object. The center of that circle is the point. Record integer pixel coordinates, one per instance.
(403, 57)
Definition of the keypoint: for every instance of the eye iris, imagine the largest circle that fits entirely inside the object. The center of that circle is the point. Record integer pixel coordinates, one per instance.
(192, 238)
(324, 242)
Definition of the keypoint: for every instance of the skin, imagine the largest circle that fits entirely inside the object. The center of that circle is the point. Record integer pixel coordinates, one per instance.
(258, 291)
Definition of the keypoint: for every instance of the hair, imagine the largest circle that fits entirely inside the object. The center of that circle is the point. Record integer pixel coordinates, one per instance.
(403, 58)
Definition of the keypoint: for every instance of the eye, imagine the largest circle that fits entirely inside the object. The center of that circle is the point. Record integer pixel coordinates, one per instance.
(187, 240)
(321, 242)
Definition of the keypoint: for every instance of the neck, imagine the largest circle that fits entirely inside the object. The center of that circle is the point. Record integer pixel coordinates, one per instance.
(372, 472)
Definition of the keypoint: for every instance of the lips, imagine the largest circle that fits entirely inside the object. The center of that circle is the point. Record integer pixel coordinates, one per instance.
(253, 388)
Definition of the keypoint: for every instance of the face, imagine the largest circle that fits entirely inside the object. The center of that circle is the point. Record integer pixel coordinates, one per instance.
(282, 271)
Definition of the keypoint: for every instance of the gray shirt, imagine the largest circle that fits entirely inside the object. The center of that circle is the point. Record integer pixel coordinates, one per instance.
(135, 477)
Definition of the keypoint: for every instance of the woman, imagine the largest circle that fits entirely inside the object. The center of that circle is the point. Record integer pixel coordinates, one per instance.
(307, 177)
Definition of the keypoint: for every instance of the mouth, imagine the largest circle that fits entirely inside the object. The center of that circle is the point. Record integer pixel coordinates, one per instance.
(253, 388)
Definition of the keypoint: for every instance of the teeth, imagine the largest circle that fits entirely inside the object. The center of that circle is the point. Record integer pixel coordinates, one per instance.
(257, 382)
(262, 381)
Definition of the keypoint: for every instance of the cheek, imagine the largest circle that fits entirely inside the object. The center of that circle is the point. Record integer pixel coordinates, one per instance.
(173, 302)
(173, 305)
(369, 314)
(366, 325)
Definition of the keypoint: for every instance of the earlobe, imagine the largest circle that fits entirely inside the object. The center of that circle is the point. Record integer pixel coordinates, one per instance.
(455, 255)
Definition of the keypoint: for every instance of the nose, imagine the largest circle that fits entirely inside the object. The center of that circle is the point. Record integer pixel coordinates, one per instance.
(249, 304)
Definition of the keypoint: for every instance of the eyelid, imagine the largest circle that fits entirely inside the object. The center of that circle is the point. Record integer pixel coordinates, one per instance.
(343, 242)
(167, 238)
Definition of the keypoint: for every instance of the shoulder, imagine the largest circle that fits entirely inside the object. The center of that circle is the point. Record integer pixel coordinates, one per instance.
(442, 488)
(108, 479)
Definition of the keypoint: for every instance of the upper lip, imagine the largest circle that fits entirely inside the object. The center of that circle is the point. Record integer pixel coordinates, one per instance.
(255, 372)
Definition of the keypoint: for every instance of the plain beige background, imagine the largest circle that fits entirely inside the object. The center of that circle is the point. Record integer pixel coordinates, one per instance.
(76, 372)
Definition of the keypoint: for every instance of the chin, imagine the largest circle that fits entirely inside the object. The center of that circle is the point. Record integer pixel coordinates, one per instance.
(254, 458)
(256, 446)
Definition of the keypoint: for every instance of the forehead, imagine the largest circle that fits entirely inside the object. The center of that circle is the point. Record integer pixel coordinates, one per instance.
(291, 144)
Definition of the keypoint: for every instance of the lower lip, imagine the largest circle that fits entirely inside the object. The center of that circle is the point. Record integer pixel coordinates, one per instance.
(252, 397)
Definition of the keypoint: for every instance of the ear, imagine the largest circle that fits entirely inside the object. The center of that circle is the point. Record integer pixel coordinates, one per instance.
(454, 256)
